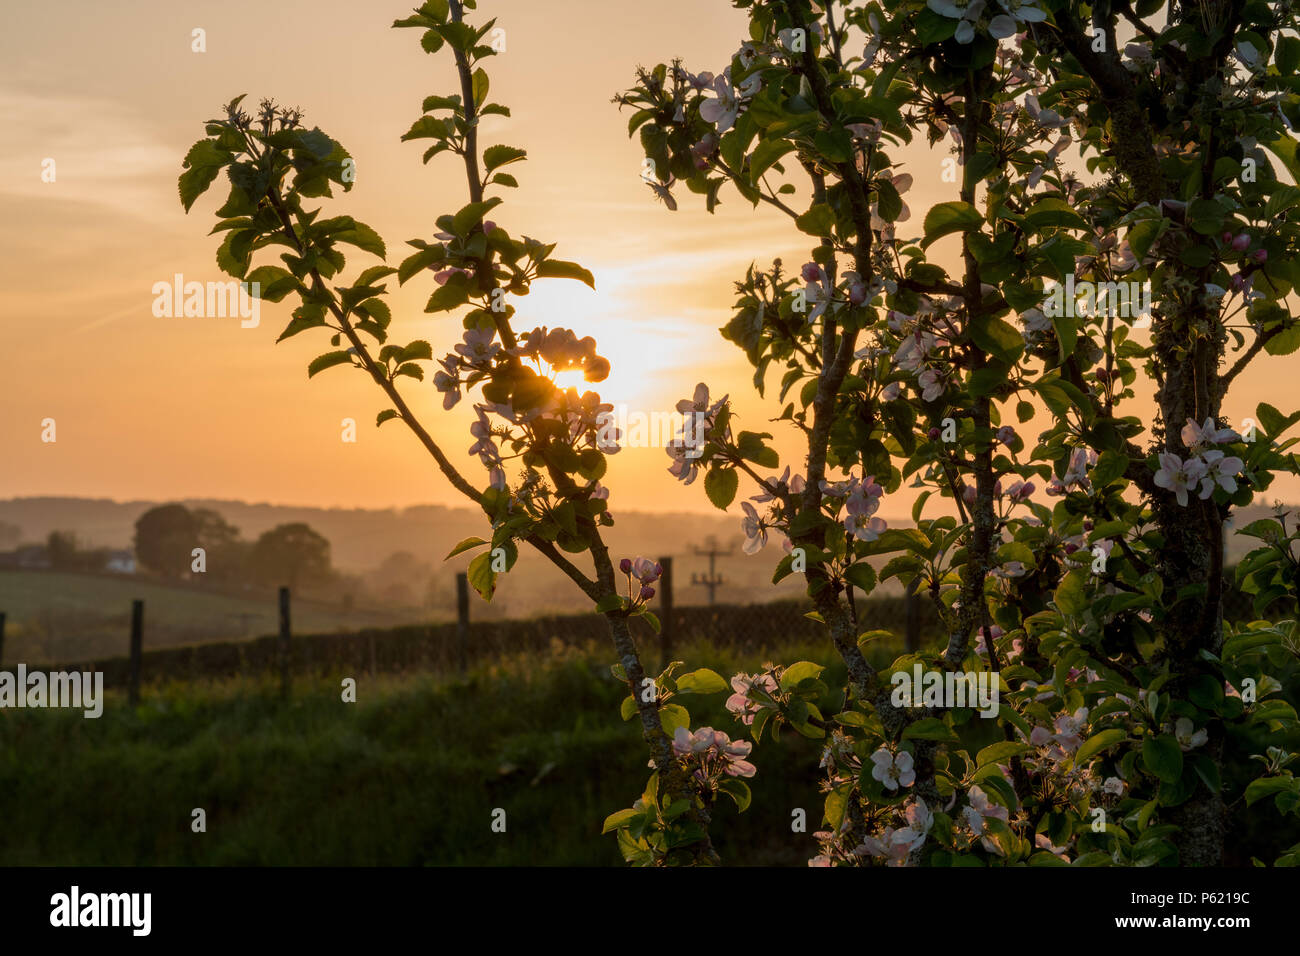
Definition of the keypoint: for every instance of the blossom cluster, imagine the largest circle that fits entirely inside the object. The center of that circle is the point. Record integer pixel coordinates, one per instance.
(1207, 466)
(712, 753)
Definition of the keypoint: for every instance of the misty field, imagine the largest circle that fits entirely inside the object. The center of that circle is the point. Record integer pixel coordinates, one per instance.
(54, 616)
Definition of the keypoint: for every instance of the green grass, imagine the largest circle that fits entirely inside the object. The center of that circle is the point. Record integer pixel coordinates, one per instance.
(409, 775)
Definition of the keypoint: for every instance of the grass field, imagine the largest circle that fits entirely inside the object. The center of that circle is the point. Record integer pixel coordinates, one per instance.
(409, 775)
(53, 616)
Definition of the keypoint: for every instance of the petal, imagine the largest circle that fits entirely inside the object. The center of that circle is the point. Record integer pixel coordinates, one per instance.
(1001, 27)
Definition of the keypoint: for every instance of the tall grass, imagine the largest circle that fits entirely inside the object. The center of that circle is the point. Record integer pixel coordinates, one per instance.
(408, 775)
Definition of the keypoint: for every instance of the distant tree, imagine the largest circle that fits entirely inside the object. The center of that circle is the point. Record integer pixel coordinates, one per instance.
(62, 549)
(291, 554)
(10, 534)
(227, 554)
(164, 539)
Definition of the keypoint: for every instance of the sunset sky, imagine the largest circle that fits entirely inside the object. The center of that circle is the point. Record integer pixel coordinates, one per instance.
(168, 408)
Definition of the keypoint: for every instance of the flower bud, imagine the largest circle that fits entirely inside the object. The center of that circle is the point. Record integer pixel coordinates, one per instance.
(625, 566)
(647, 593)
(1241, 243)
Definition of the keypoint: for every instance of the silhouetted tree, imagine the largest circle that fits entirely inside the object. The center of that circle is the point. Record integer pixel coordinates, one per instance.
(291, 554)
(164, 539)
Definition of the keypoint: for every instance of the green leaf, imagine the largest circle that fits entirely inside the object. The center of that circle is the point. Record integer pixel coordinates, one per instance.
(795, 674)
(766, 155)
(1162, 756)
(702, 681)
(627, 710)
(1110, 466)
(672, 716)
(721, 485)
(1285, 342)
(1054, 212)
(465, 545)
(481, 576)
(328, 360)
(610, 602)
(1267, 786)
(272, 282)
(495, 157)
(1000, 752)
(998, 338)
(472, 215)
(363, 237)
(559, 269)
(430, 42)
(1071, 594)
(616, 821)
(481, 86)
(737, 789)
(202, 164)
(1097, 743)
(419, 261)
(418, 349)
(930, 728)
(949, 217)
(817, 221)
(386, 415)
(862, 576)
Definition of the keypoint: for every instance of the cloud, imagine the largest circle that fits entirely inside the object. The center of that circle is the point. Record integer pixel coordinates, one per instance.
(104, 153)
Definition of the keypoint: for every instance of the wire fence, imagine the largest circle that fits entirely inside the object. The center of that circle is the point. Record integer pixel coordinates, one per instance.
(453, 647)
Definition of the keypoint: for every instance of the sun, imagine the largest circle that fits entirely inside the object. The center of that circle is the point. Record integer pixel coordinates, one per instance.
(571, 378)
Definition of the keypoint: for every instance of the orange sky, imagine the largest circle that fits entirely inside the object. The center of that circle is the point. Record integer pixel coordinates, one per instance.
(166, 408)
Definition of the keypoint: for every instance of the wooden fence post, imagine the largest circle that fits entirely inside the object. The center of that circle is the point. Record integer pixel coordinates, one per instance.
(283, 644)
(137, 650)
(2, 637)
(666, 609)
(462, 621)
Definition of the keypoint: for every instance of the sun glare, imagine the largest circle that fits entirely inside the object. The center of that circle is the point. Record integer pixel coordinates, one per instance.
(572, 378)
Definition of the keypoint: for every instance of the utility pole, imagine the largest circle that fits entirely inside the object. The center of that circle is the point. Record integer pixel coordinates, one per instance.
(712, 580)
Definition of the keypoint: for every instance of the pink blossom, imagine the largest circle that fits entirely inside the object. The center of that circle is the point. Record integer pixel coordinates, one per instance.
(741, 704)
(1043, 843)
(1178, 476)
(753, 527)
(864, 529)
(1197, 437)
(1221, 471)
(646, 571)
(893, 770)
